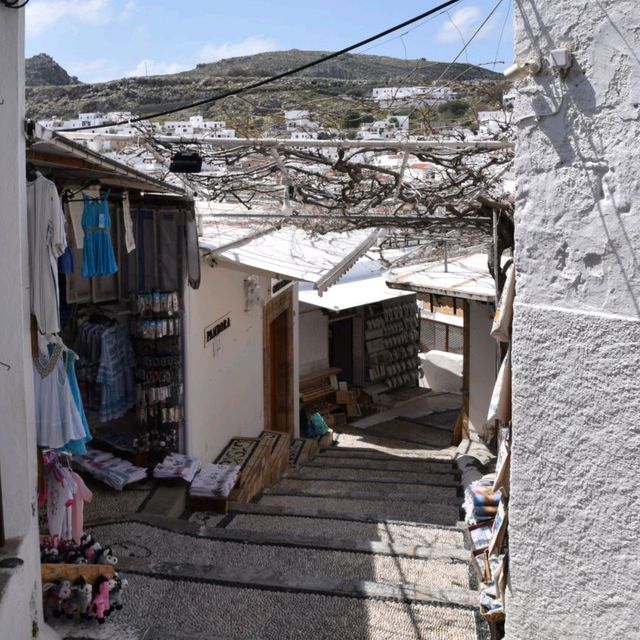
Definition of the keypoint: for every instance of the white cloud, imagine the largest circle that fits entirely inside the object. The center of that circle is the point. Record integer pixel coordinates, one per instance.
(47, 14)
(461, 22)
(153, 68)
(98, 70)
(246, 47)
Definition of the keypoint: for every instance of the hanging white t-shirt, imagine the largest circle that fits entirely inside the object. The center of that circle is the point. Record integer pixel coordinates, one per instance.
(47, 242)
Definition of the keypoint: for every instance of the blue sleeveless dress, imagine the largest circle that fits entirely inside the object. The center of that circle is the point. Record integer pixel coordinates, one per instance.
(98, 258)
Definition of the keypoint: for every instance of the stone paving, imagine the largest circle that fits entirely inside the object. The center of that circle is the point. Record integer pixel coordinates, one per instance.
(362, 543)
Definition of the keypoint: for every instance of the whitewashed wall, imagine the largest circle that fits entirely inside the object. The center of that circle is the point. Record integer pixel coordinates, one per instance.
(314, 340)
(224, 393)
(574, 526)
(482, 362)
(20, 601)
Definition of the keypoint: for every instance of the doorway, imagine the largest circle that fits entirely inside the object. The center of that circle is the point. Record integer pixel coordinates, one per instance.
(341, 347)
(278, 363)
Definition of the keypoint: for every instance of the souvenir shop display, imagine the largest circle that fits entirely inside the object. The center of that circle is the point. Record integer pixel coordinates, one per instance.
(47, 242)
(61, 422)
(391, 333)
(106, 366)
(85, 550)
(177, 465)
(159, 387)
(113, 471)
(98, 258)
(82, 598)
(64, 494)
(215, 480)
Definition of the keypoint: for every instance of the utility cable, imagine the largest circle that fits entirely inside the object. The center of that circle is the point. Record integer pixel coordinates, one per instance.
(279, 76)
(14, 4)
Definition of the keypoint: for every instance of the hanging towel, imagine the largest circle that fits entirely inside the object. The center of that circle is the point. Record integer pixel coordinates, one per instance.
(129, 240)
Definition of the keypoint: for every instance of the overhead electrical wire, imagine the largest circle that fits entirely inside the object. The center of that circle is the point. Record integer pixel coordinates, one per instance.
(279, 76)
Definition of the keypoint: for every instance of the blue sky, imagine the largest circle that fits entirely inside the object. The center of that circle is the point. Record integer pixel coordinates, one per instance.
(101, 40)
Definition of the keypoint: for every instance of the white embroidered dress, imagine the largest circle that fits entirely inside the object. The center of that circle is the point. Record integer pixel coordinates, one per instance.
(57, 417)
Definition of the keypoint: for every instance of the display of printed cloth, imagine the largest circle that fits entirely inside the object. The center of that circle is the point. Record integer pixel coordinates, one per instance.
(215, 480)
(107, 468)
(115, 374)
(105, 369)
(177, 465)
(47, 242)
(98, 258)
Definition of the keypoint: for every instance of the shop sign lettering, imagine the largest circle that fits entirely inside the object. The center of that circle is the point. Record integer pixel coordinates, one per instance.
(216, 328)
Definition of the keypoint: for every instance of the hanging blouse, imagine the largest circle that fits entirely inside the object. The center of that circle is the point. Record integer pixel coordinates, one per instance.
(58, 420)
(98, 258)
(47, 242)
(77, 447)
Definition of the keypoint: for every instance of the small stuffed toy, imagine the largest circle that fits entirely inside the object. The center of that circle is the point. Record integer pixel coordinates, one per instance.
(117, 585)
(100, 603)
(105, 556)
(92, 552)
(56, 593)
(81, 601)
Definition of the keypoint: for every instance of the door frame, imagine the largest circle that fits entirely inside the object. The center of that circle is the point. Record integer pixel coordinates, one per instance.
(281, 304)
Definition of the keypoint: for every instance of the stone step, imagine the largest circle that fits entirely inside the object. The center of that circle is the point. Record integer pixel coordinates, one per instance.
(363, 452)
(375, 510)
(355, 462)
(159, 633)
(221, 574)
(360, 531)
(239, 560)
(398, 429)
(373, 476)
(290, 538)
(192, 602)
(365, 491)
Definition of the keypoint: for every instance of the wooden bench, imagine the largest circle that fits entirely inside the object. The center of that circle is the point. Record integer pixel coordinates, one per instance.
(318, 385)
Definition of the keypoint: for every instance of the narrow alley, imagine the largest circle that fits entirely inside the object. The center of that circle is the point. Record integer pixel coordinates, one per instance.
(361, 542)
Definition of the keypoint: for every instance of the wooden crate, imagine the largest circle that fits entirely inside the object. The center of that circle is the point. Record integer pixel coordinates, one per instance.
(318, 385)
(214, 504)
(252, 475)
(90, 572)
(278, 456)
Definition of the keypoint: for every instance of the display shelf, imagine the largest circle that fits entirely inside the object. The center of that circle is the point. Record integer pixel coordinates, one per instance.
(391, 343)
(157, 331)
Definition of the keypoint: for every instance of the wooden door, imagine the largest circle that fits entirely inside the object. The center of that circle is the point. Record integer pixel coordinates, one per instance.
(278, 363)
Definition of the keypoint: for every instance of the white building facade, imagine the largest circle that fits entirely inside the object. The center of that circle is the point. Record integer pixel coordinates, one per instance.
(574, 529)
(20, 585)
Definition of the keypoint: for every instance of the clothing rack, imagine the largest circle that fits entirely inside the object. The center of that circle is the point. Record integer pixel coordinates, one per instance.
(115, 198)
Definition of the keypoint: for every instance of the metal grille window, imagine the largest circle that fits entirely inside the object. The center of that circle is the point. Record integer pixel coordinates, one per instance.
(440, 336)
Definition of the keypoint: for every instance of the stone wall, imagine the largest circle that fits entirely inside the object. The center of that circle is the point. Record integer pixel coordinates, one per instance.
(574, 559)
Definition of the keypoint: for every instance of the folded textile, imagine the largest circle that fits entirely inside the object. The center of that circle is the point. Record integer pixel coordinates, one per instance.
(115, 472)
(177, 465)
(484, 513)
(215, 480)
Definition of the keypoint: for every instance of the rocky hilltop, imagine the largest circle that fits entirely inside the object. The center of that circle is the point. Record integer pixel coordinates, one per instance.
(43, 70)
(351, 75)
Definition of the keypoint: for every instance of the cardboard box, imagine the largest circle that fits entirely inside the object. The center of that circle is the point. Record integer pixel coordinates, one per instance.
(353, 410)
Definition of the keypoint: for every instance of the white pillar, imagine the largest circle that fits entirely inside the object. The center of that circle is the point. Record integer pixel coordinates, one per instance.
(574, 526)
